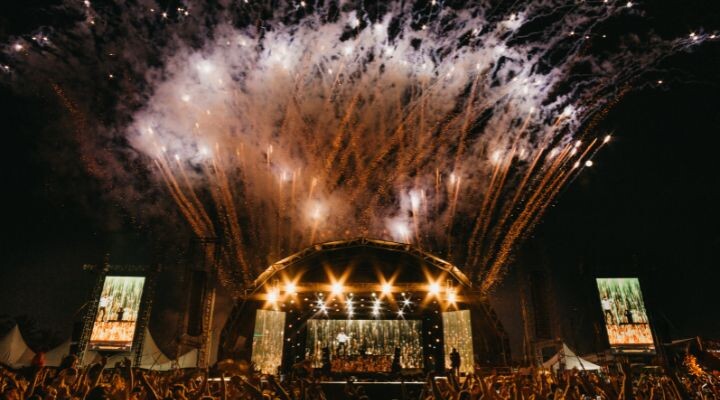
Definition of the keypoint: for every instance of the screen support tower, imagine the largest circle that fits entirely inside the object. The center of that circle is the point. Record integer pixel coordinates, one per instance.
(144, 317)
(89, 314)
(103, 271)
(207, 318)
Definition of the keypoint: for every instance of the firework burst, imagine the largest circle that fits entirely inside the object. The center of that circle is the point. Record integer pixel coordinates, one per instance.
(275, 128)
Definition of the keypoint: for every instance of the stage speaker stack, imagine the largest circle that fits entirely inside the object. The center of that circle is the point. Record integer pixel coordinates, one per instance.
(196, 294)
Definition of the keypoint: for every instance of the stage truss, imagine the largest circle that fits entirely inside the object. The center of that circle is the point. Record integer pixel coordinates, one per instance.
(107, 269)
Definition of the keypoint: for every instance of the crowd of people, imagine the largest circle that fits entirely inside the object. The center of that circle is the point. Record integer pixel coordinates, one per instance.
(237, 381)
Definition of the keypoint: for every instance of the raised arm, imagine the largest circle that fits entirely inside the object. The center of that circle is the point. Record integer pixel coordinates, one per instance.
(203, 388)
(31, 387)
(437, 395)
(152, 394)
(254, 391)
(131, 379)
(279, 389)
(223, 387)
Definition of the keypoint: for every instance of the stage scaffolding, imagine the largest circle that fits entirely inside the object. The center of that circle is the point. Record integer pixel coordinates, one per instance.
(88, 320)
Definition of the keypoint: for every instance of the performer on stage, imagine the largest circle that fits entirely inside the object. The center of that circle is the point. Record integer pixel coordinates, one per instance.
(455, 362)
(342, 342)
(629, 316)
(363, 348)
(607, 309)
(103, 306)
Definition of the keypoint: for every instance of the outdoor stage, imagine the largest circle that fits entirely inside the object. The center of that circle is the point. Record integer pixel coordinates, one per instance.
(363, 307)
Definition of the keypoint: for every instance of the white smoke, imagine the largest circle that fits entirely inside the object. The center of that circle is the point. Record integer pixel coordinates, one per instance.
(449, 129)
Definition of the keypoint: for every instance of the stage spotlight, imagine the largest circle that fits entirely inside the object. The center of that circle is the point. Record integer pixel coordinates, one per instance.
(400, 313)
(337, 288)
(272, 296)
(406, 302)
(290, 288)
(386, 288)
(451, 297)
(434, 288)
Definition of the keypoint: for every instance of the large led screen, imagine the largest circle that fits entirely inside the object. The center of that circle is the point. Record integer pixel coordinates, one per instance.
(365, 345)
(458, 336)
(117, 313)
(267, 344)
(623, 308)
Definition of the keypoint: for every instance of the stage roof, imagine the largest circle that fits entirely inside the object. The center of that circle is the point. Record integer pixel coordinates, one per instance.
(365, 260)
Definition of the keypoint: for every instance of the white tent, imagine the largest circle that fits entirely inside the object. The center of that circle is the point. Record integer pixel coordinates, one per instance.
(14, 352)
(54, 357)
(152, 356)
(188, 360)
(571, 361)
(92, 357)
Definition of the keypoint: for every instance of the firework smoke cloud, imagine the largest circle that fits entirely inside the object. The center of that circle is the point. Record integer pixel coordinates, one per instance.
(273, 127)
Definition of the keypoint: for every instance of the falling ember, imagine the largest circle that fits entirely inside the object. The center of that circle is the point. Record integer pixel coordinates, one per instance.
(369, 125)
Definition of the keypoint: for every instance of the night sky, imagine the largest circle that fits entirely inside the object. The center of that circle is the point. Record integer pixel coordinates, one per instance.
(649, 207)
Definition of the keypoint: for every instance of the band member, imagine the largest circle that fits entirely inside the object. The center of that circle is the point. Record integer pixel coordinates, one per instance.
(607, 309)
(103, 306)
(629, 316)
(396, 366)
(325, 358)
(342, 342)
(455, 361)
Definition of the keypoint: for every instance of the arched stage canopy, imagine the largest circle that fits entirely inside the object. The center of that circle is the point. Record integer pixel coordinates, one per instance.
(364, 279)
(367, 261)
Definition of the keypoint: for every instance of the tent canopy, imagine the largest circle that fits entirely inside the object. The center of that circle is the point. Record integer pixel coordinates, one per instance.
(152, 357)
(570, 360)
(14, 352)
(54, 357)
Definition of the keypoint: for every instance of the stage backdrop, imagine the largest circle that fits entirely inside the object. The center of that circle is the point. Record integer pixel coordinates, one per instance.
(118, 307)
(369, 337)
(624, 310)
